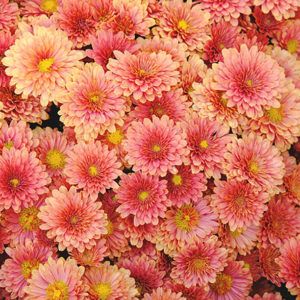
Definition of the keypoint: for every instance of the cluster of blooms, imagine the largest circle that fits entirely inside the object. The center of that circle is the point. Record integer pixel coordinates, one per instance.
(172, 172)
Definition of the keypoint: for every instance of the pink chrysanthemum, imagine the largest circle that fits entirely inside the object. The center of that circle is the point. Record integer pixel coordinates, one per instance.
(78, 20)
(92, 167)
(91, 105)
(282, 9)
(106, 42)
(172, 104)
(255, 160)
(109, 282)
(185, 186)
(266, 296)
(185, 22)
(73, 219)
(56, 277)
(144, 197)
(145, 272)
(17, 269)
(270, 268)
(163, 294)
(143, 75)
(9, 13)
(199, 263)
(185, 225)
(23, 179)
(228, 10)
(223, 35)
(250, 79)
(38, 7)
(6, 40)
(292, 185)
(155, 146)
(289, 264)
(252, 262)
(233, 283)
(206, 141)
(280, 222)
(47, 62)
(238, 204)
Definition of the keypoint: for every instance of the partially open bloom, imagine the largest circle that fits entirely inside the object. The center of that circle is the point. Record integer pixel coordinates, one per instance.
(8, 15)
(163, 294)
(292, 185)
(73, 219)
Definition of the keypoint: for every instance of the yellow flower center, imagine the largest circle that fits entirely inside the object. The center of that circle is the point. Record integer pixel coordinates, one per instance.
(93, 171)
(14, 182)
(143, 195)
(183, 25)
(49, 5)
(73, 220)
(55, 159)
(45, 65)
(28, 218)
(203, 144)
(156, 148)
(249, 83)
(275, 115)
(222, 46)
(253, 167)
(28, 266)
(186, 218)
(103, 290)
(224, 101)
(292, 46)
(9, 144)
(222, 285)
(96, 97)
(57, 290)
(110, 227)
(240, 200)
(177, 179)
(247, 266)
(199, 264)
(236, 233)
(116, 137)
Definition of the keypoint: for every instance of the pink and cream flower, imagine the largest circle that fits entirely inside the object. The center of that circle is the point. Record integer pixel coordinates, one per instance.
(9, 14)
(163, 294)
(292, 185)
(6, 40)
(266, 296)
(73, 219)
(39, 7)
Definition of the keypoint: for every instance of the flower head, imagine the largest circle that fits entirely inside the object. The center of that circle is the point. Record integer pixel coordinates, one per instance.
(164, 294)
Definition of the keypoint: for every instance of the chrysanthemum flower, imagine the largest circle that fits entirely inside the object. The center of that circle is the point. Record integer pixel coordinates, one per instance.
(289, 264)
(252, 262)
(185, 225)
(9, 13)
(39, 7)
(109, 282)
(254, 159)
(106, 42)
(6, 40)
(280, 222)
(155, 146)
(250, 79)
(56, 278)
(238, 204)
(185, 22)
(283, 9)
(17, 269)
(266, 296)
(91, 105)
(105, 12)
(207, 142)
(23, 179)
(232, 283)
(198, 264)
(145, 272)
(270, 268)
(172, 104)
(47, 62)
(73, 219)
(78, 20)
(163, 294)
(292, 185)
(185, 186)
(144, 197)
(92, 167)
(223, 35)
(143, 75)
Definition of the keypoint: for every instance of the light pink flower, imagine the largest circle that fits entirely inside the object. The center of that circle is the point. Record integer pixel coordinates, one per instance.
(9, 13)
(39, 7)
(163, 294)
(6, 40)
(266, 296)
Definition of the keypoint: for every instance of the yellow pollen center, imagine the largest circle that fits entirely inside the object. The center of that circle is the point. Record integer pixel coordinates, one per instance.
(240, 200)
(28, 218)
(45, 65)
(199, 263)
(9, 144)
(57, 290)
(292, 46)
(186, 218)
(49, 5)
(177, 179)
(224, 101)
(55, 159)
(142, 73)
(93, 171)
(222, 285)
(14, 182)
(274, 114)
(143, 195)
(156, 148)
(222, 46)
(247, 266)
(203, 144)
(183, 25)
(110, 228)
(236, 233)
(103, 290)
(27, 267)
(73, 220)
(253, 167)
(115, 138)
(249, 83)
